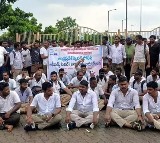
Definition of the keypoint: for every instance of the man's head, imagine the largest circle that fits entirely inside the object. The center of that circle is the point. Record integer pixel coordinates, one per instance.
(78, 44)
(23, 83)
(116, 40)
(4, 89)
(54, 43)
(93, 82)
(123, 83)
(112, 79)
(152, 39)
(41, 69)
(128, 41)
(38, 75)
(37, 44)
(24, 44)
(155, 71)
(17, 46)
(118, 71)
(5, 76)
(5, 44)
(139, 39)
(61, 42)
(106, 67)
(61, 72)
(54, 76)
(83, 68)
(24, 71)
(145, 41)
(138, 74)
(46, 44)
(101, 73)
(66, 43)
(80, 75)
(83, 87)
(152, 88)
(47, 88)
(104, 40)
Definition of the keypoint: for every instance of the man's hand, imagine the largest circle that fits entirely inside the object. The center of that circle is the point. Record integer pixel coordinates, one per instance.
(81, 60)
(108, 118)
(148, 66)
(29, 120)
(49, 117)
(68, 119)
(155, 116)
(140, 119)
(105, 101)
(1, 121)
(13, 70)
(7, 115)
(95, 120)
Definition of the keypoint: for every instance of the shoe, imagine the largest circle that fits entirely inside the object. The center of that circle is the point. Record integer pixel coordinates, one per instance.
(92, 126)
(137, 126)
(71, 125)
(57, 126)
(2, 127)
(32, 127)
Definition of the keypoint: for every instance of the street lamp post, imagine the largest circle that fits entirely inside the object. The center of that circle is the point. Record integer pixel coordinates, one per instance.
(126, 15)
(108, 17)
(140, 16)
(122, 24)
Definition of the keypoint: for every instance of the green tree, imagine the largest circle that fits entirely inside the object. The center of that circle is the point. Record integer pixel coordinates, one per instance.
(50, 30)
(65, 23)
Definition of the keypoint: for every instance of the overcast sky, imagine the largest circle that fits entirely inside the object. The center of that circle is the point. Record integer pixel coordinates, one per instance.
(93, 13)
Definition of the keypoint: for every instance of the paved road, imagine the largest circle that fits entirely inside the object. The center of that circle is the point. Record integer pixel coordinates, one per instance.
(98, 135)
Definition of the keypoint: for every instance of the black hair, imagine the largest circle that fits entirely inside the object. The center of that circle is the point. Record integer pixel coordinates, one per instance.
(84, 83)
(79, 72)
(152, 84)
(139, 72)
(139, 37)
(61, 69)
(17, 44)
(52, 73)
(78, 42)
(101, 70)
(53, 41)
(153, 36)
(105, 38)
(23, 42)
(40, 68)
(37, 41)
(24, 69)
(106, 64)
(61, 40)
(23, 80)
(118, 69)
(117, 37)
(6, 72)
(83, 65)
(122, 79)
(46, 85)
(156, 69)
(92, 79)
(144, 39)
(66, 42)
(113, 77)
(3, 85)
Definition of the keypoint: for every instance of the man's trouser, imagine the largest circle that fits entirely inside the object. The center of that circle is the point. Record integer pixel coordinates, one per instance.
(81, 118)
(121, 117)
(16, 73)
(137, 65)
(41, 120)
(35, 67)
(65, 99)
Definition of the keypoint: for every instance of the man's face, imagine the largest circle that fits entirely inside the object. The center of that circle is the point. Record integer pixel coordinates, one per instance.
(6, 91)
(93, 84)
(46, 44)
(49, 91)
(38, 75)
(36, 45)
(24, 86)
(83, 89)
(154, 73)
(101, 74)
(137, 76)
(151, 91)
(123, 86)
(53, 77)
(105, 68)
(80, 76)
(5, 44)
(116, 40)
(152, 40)
(5, 76)
(54, 44)
(110, 81)
(61, 73)
(117, 72)
(78, 45)
(24, 72)
(128, 42)
(61, 44)
(24, 46)
(138, 41)
(83, 69)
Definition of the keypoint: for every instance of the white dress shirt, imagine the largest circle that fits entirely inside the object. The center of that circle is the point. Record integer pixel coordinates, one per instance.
(119, 101)
(150, 78)
(57, 86)
(12, 84)
(44, 51)
(88, 103)
(117, 54)
(46, 107)
(98, 90)
(149, 104)
(76, 82)
(2, 53)
(33, 82)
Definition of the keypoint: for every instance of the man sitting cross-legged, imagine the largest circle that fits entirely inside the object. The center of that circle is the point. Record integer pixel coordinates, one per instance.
(83, 108)
(9, 105)
(121, 104)
(48, 105)
(151, 105)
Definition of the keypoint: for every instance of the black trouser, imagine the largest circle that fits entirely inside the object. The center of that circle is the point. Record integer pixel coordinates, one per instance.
(29, 70)
(12, 120)
(127, 70)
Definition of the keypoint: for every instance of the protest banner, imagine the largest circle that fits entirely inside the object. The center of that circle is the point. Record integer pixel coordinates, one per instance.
(67, 57)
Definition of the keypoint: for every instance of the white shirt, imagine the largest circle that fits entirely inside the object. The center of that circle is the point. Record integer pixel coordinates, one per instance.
(108, 74)
(27, 57)
(137, 86)
(12, 84)
(44, 51)
(65, 79)
(2, 53)
(43, 76)
(119, 101)
(20, 77)
(132, 79)
(33, 82)
(117, 54)
(149, 104)
(8, 103)
(46, 107)
(88, 103)
(140, 53)
(98, 90)
(150, 78)
(76, 82)
(57, 86)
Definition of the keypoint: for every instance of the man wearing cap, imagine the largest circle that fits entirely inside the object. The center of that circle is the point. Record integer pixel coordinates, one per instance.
(129, 47)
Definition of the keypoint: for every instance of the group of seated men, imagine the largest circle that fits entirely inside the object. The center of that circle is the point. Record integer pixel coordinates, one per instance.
(84, 95)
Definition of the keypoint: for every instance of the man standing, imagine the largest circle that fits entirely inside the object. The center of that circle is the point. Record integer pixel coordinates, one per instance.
(49, 106)
(139, 57)
(121, 105)
(82, 114)
(106, 49)
(117, 55)
(9, 105)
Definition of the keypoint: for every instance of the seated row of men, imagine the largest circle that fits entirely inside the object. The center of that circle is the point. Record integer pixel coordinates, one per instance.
(123, 108)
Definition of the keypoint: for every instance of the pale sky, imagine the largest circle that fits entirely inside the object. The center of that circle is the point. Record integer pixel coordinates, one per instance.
(93, 13)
